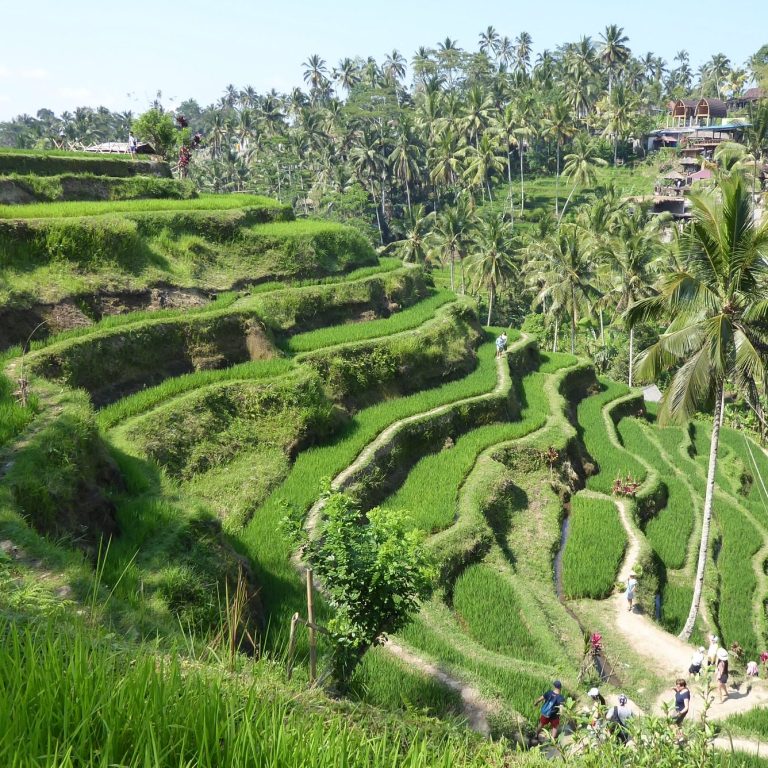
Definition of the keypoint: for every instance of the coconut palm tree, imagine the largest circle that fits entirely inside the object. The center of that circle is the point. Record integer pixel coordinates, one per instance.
(404, 158)
(581, 166)
(394, 66)
(451, 234)
(620, 110)
(413, 246)
(566, 266)
(717, 331)
(558, 126)
(347, 74)
(632, 254)
(491, 264)
(489, 41)
(523, 43)
(482, 162)
(613, 52)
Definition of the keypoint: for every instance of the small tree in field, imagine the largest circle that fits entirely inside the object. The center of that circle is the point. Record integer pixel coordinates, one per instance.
(156, 127)
(375, 571)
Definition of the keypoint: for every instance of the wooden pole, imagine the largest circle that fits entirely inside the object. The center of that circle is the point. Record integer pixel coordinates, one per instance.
(312, 633)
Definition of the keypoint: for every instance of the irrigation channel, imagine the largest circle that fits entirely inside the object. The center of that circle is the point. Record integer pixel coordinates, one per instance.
(602, 665)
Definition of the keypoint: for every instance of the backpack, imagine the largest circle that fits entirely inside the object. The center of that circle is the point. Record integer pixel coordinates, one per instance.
(549, 706)
(616, 725)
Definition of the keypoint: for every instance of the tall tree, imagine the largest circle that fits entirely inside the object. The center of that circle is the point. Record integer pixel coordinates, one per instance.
(491, 264)
(581, 166)
(717, 331)
(613, 52)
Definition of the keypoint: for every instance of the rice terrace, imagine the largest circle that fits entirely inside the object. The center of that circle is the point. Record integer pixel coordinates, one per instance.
(413, 417)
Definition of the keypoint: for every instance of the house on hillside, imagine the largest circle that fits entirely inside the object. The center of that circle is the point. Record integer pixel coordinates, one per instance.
(682, 113)
(708, 110)
(747, 99)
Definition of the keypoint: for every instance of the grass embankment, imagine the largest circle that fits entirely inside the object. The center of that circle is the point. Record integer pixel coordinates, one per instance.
(13, 417)
(669, 530)
(445, 471)
(612, 460)
(594, 550)
(27, 190)
(134, 709)
(146, 399)
(80, 208)
(53, 162)
(269, 548)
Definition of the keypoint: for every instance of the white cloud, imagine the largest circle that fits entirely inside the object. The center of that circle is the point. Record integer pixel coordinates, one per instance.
(34, 73)
(4, 72)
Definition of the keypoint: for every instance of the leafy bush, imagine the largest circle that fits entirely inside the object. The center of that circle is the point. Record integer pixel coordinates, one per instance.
(374, 570)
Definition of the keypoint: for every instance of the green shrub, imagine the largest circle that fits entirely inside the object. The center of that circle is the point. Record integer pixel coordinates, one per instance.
(595, 547)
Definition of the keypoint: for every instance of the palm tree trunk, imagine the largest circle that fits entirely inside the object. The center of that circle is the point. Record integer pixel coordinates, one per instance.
(378, 218)
(452, 259)
(557, 181)
(615, 148)
(567, 200)
(573, 332)
(708, 500)
(631, 354)
(490, 304)
(522, 180)
(554, 342)
(408, 195)
(602, 331)
(463, 283)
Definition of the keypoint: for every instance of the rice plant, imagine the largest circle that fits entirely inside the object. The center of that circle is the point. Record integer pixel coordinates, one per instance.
(595, 548)
(669, 530)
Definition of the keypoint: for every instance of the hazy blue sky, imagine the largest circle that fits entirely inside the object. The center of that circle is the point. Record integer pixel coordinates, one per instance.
(64, 53)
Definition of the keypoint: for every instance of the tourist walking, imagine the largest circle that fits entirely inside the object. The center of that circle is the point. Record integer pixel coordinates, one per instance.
(721, 674)
(618, 717)
(501, 344)
(697, 660)
(682, 705)
(132, 144)
(630, 591)
(714, 644)
(550, 701)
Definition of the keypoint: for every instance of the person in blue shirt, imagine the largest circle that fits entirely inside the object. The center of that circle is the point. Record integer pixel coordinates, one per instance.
(550, 701)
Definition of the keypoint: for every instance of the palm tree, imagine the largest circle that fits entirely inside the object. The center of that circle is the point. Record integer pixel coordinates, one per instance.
(482, 162)
(566, 265)
(632, 254)
(581, 166)
(489, 41)
(405, 157)
(347, 74)
(717, 331)
(477, 113)
(559, 127)
(451, 234)
(525, 111)
(613, 52)
(717, 70)
(315, 73)
(413, 246)
(394, 66)
(491, 264)
(449, 56)
(621, 108)
(523, 43)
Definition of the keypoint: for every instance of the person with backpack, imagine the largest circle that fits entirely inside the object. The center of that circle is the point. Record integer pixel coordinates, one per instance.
(617, 718)
(550, 701)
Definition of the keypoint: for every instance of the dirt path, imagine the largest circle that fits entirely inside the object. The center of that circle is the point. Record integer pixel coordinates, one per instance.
(666, 654)
(475, 708)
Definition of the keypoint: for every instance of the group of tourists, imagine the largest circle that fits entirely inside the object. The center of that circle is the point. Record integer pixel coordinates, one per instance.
(717, 657)
(603, 720)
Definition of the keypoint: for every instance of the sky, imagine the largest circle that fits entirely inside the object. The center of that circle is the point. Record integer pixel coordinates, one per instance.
(61, 55)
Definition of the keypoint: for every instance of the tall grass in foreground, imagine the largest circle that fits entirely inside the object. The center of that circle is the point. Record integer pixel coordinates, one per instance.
(69, 701)
(595, 546)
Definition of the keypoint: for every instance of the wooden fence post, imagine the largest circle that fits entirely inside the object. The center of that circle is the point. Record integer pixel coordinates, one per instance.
(312, 633)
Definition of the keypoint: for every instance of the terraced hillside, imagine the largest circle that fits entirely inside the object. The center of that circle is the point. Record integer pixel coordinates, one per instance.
(149, 450)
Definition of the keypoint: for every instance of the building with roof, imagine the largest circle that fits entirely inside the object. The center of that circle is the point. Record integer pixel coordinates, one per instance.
(747, 99)
(708, 110)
